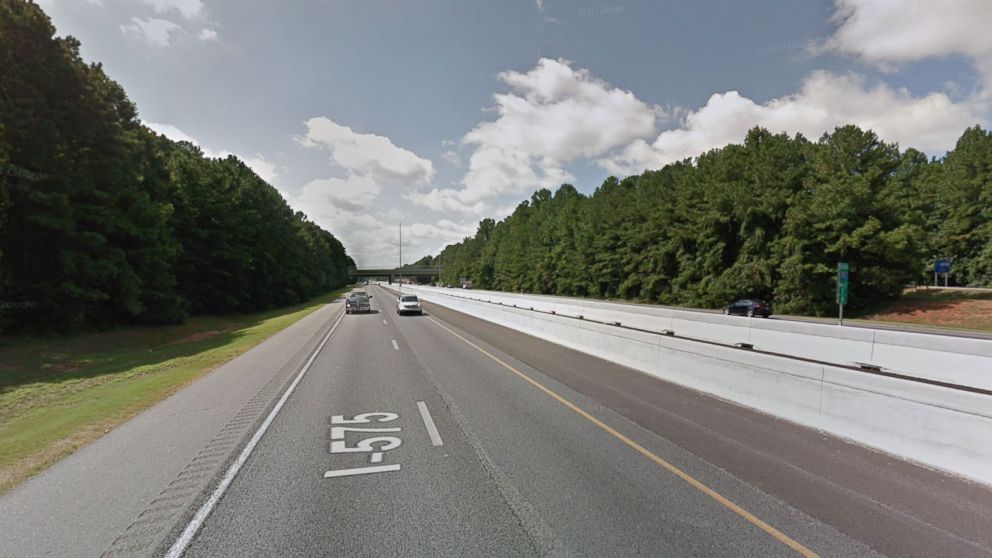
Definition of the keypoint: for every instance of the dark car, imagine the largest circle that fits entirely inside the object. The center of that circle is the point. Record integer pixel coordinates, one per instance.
(357, 302)
(749, 307)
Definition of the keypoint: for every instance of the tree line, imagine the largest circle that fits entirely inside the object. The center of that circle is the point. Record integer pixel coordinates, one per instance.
(104, 222)
(769, 218)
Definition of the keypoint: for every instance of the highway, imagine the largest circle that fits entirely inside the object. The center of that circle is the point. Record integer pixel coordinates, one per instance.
(490, 442)
(445, 435)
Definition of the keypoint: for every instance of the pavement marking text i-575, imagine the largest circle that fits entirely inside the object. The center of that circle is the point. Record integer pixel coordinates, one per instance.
(698, 485)
(375, 446)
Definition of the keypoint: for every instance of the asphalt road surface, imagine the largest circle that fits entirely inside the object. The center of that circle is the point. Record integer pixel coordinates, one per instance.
(443, 435)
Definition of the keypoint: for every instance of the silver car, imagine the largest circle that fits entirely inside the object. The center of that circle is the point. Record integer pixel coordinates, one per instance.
(408, 304)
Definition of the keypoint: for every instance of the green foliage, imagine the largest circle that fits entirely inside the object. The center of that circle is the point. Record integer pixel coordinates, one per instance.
(769, 218)
(104, 222)
(962, 188)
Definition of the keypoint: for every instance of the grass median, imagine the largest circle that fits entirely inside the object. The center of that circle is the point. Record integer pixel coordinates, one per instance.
(58, 394)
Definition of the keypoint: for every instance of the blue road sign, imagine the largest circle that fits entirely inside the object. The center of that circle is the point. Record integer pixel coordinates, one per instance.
(942, 266)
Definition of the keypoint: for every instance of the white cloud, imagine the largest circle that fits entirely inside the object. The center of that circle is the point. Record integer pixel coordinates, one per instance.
(366, 154)
(265, 169)
(557, 112)
(446, 200)
(369, 241)
(353, 193)
(931, 123)
(884, 32)
(48, 5)
(552, 115)
(452, 158)
(208, 34)
(173, 19)
(262, 167)
(156, 31)
(171, 132)
(346, 205)
(896, 31)
(369, 163)
(372, 240)
(187, 8)
(443, 230)
(540, 5)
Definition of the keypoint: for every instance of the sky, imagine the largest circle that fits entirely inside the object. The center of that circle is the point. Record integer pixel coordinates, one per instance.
(366, 114)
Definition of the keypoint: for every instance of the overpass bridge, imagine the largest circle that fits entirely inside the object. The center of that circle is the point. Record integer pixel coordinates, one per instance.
(393, 273)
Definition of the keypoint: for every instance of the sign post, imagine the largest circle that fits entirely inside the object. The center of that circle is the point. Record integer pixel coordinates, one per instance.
(842, 271)
(941, 266)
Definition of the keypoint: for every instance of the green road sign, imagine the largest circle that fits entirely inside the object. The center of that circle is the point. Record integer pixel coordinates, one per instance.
(842, 272)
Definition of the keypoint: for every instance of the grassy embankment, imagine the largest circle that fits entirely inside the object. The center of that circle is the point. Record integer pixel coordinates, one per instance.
(952, 309)
(58, 394)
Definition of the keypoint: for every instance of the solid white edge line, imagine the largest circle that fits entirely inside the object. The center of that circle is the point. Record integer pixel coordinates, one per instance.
(395, 346)
(179, 547)
(429, 423)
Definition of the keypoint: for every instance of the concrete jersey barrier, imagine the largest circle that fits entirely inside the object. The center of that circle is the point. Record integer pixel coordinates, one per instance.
(954, 360)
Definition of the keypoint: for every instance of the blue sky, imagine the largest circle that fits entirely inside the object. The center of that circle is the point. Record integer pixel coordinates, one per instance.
(368, 113)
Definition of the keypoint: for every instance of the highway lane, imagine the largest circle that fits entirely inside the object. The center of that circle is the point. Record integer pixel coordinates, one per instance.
(528, 465)
(440, 502)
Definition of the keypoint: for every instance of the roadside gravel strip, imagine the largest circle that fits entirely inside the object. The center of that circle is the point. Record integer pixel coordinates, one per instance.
(131, 492)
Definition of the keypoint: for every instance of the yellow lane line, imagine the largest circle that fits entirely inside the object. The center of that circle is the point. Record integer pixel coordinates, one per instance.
(725, 502)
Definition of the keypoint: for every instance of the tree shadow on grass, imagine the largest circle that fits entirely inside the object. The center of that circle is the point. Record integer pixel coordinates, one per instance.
(53, 360)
